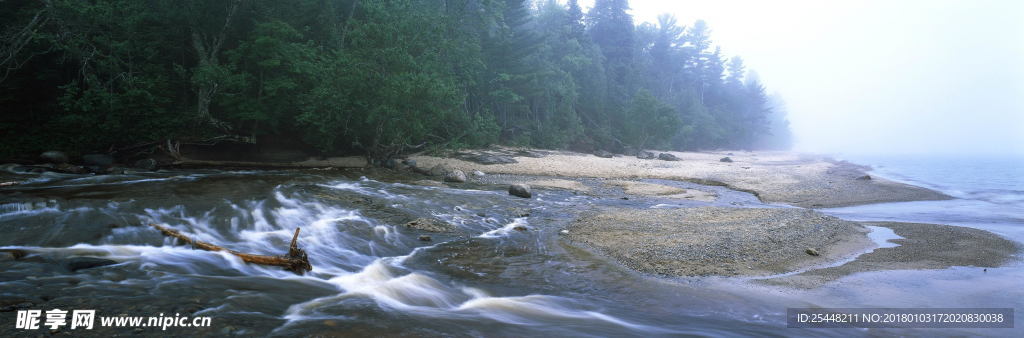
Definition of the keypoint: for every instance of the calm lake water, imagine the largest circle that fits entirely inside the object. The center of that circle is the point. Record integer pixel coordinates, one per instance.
(372, 276)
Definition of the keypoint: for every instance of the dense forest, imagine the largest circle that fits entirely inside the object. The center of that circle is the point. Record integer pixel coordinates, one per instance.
(373, 77)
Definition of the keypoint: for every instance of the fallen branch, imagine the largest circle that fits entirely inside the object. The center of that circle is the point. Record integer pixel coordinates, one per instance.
(295, 261)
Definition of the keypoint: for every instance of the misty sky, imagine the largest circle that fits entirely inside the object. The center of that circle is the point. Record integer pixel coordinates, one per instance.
(930, 76)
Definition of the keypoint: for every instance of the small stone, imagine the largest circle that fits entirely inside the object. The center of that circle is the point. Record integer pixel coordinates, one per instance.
(725, 159)
(603, 154)
(667, 157)
(455, 176)
(439, 170)
(429, 224)
(53, 156)
(425, 238)
(478, 173)
(520, 190)
(645, 155)
(812, 252)
(146, 164)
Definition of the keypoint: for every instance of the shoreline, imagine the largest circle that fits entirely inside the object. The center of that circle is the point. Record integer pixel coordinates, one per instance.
(808, 181)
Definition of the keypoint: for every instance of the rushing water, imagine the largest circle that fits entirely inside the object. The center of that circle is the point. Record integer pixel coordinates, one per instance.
(373, 276)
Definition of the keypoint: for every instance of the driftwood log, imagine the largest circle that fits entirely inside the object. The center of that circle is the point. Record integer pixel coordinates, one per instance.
(295, 261)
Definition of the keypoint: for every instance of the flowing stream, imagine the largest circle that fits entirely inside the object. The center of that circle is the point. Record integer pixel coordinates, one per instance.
(371, 275)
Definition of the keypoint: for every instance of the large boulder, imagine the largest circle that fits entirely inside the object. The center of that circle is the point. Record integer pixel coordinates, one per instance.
(455, 176)
(146, 164)
(645, 155)
(520, 190)
(667, 157)
(53, 156)
(603, 154)
(98, 160)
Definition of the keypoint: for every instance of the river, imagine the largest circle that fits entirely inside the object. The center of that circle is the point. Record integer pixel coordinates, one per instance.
(373, 276)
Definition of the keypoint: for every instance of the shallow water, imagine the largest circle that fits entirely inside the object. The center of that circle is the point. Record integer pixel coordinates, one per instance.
(374, 276)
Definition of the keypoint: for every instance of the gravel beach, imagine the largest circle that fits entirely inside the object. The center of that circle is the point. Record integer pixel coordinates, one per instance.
(713, 241)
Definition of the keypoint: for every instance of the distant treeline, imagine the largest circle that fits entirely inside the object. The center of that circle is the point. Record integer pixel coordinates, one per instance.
(378, 77)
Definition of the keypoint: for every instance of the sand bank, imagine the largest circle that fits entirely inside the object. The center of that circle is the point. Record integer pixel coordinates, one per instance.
(785, 177)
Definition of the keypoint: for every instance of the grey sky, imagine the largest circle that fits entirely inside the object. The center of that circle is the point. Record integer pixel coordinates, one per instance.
(879, 76)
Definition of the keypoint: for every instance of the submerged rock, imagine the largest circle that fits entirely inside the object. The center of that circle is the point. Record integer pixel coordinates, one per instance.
(430, 183)
(667, 157)
(53, 156)
(725, 159)
(645, 155)
(425, 238)
(80, 263)
(430, 224)
(520, 190)
(603, 154)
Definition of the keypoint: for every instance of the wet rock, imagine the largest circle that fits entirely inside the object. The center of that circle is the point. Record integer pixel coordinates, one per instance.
(391, 163)
(564, 232)
(145, 164)
(864, 178)
(116, 171)
(425, 238)
(477, 173)
(455, 176)
(812, 252)
(725, 159)
(80, 263)
(667, 157)
(530, 153)
(430, 224)
(485, 158)
(520, 190)
(71, 169)
(430, 183)
(53, 156)
(519, 228)
(629, 151)
(603, 154)
(730, 154)
(409, 162)
(14, 253)
(645, 155)
(98, 160)
(420, 170)
(31, 169)
(440, 170)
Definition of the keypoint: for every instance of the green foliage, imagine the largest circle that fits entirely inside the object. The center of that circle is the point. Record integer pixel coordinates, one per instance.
(378, 77)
